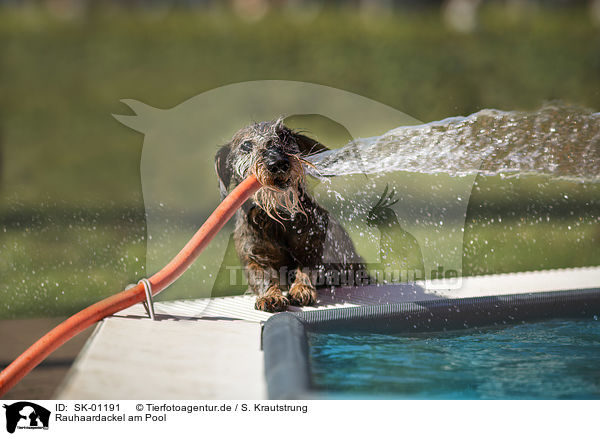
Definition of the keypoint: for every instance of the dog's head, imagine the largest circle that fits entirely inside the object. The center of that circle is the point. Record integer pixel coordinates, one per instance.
(275, 154)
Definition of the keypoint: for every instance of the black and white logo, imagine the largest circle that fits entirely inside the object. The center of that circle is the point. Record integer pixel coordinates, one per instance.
(26, 415)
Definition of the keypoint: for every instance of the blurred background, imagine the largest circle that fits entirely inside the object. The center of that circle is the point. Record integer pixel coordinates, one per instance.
(72, 224)
(72, 218)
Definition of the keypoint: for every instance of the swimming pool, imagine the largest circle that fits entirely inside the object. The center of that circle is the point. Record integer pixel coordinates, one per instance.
(556, 359)
(523, 346)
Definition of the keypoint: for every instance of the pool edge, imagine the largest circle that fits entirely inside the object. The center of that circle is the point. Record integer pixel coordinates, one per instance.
(285, 335)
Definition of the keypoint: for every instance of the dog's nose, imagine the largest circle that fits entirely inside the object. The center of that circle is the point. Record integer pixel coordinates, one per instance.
(276, 162)
(280, 165)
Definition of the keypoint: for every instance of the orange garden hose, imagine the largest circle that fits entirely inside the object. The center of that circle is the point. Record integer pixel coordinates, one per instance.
(14, 372)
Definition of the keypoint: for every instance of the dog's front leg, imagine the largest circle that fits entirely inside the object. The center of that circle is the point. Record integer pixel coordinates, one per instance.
(302, 292)
(265, 283)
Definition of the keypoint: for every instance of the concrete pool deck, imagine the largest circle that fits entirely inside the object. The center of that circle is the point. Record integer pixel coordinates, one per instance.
(210, 348)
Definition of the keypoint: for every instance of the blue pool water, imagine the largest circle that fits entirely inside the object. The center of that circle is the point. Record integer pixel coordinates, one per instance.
(558, 359)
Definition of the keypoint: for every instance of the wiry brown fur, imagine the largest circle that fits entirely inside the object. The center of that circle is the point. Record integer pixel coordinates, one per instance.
(281, 231)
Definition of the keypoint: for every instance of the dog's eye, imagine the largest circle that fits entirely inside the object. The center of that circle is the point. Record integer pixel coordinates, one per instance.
(246, 146)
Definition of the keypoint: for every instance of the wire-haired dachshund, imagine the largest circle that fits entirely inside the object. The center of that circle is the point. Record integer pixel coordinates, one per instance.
(284, 238)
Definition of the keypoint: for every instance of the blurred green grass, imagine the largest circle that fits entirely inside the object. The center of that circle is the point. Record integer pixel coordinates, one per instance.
(61, 80)
(71, 209)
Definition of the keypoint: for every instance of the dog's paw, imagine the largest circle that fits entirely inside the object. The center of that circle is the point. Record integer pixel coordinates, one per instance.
(302, 295)
(271, 303)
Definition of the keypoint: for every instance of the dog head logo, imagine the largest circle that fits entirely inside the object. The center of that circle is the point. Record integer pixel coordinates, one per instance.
(178, 158)
(26, 415)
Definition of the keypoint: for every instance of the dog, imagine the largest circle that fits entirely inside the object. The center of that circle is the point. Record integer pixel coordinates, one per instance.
(283, 237)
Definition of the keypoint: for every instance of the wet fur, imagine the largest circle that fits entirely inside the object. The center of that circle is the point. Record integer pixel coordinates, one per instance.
(281, 233)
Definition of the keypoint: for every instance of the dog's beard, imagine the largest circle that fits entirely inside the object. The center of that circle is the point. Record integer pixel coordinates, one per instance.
(274, 200)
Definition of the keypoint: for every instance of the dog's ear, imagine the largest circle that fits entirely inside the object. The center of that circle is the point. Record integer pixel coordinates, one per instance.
(222, 169)
(308, 146)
